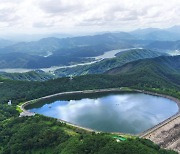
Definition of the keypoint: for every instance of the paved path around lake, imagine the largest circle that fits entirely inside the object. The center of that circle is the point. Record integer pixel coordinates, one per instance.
(166, 134)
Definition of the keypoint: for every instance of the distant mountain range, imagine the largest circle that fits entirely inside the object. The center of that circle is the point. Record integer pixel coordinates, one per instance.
(5, 43)
(145, 65)
(52, 44)
(23, 60)
(52, 51)
(156, 34)
(96, 68)
(158, 72)
(55, 52)
(164, 45)
(43, 46)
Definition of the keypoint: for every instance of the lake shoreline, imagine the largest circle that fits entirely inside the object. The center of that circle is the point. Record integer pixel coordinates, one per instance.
(27, 113)
(105, 55)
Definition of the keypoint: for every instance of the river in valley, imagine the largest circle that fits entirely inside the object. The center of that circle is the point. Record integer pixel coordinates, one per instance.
(108, 54)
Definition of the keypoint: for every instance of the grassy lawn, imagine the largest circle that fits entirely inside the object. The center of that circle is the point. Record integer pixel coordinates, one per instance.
(126, 89)
(70, 131)
(18, 108)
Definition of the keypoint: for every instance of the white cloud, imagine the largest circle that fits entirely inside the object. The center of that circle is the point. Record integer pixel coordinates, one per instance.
(86, 15)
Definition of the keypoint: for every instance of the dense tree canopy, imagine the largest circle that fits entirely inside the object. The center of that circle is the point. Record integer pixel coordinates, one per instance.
(40, 134)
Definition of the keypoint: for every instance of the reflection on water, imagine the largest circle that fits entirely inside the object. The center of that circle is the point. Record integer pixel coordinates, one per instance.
(128, 113)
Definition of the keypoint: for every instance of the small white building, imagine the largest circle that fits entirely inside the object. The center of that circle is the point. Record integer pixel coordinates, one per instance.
(10, 102)
(71, 77)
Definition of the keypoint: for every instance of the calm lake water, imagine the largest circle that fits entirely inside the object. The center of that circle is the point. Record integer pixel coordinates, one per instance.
(110, 112)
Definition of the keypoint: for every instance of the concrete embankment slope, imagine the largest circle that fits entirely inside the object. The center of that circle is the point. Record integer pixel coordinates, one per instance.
(167, 133)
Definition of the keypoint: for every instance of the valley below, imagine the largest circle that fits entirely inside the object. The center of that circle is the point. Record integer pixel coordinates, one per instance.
(63, 95)
(106, 55)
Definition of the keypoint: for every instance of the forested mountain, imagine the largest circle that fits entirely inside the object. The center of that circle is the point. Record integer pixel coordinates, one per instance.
(43, 46)
(16, 60)
(164, 68)
(23, 60)
(89, 77)
(53, 51)
(46, 135)
(96, 68)
(74, 55)
(29, 76)
(124, 39)
(102, 66)
(161, 72)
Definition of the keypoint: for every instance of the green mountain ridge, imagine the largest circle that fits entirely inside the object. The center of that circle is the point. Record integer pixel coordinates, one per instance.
(107, 64)
(160, 72)
(167, 68)
(97, 68)
(41, 134)
(52, 51)
(28, 76)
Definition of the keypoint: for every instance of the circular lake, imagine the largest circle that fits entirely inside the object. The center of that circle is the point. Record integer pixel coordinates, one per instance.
(109, 112)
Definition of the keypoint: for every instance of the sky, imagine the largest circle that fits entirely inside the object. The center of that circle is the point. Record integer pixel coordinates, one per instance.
(73, 16)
